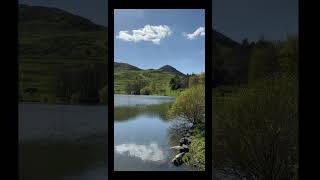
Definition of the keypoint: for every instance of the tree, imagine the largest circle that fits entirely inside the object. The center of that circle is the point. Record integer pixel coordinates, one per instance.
(190, 105)
(175, 82)
(145, 91)
(134, 87)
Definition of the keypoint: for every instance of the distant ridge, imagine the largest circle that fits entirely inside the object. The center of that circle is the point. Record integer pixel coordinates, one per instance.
(126, 66)
(165, 68)
(219, 39)
(37, 18)
(170, 69)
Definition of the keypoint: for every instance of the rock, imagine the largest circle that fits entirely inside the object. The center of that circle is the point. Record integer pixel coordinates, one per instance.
(177, 160)
(184, 140)
(177, 147)
(185, 148)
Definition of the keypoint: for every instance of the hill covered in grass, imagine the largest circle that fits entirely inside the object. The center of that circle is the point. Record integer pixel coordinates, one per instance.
(64, 56)
(53, 42)
(149, 81)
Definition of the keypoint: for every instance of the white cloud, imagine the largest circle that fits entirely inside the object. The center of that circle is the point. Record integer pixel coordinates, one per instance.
(147, 33)
(199, 32)
(150, 152)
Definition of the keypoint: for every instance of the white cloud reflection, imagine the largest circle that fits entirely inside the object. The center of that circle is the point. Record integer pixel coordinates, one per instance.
(151, 152)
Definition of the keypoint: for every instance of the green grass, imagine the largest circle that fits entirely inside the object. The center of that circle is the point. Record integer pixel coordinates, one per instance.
(196, 156)
(124, 76)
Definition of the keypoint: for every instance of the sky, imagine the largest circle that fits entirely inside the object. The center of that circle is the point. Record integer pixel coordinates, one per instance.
(237, 19)
(150, 39)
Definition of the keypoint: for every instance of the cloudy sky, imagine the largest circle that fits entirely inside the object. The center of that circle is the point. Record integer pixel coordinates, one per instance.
(237, 19)
(153, 38)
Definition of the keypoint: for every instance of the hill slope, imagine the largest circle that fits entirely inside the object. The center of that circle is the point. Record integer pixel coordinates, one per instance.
(156, 79)
(50, 41)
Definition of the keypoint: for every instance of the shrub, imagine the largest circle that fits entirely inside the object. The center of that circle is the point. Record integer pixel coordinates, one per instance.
(145, 91)
(255, 135)
(190, 105)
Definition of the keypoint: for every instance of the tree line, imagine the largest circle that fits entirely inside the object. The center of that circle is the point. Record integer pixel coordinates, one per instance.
(255, 119)
(85, 84)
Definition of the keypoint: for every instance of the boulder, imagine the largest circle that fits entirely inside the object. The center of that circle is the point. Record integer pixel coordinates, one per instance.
(184, 140)
(184, 148)
(177, 147)
(177, 160)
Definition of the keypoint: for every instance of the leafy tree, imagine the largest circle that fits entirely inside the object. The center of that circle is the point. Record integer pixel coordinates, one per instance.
(134, 87)
(190, 105)
(175, 82)
(145, 91)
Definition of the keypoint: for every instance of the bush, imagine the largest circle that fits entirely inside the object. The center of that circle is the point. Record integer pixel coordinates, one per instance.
(190, 105)
(197, 152)
(255, 135)
(145, 91)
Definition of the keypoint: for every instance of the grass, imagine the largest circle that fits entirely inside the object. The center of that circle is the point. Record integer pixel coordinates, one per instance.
(196, 155)
(161, 79)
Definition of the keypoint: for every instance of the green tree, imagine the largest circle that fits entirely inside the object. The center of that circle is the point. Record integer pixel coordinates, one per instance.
(145, 91)
(190, 105)
(175, 82)
(134, 87)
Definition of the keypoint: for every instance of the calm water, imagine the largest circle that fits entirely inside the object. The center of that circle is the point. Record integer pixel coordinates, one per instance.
(62, 142)
(142, 134)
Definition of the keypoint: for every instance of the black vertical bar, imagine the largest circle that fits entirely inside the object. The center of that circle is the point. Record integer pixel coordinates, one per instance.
(110, 88)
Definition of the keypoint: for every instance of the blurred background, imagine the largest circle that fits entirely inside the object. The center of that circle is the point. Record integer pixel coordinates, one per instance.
(63, 89)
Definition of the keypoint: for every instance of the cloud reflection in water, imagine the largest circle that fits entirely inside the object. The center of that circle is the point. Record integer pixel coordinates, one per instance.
(151, 152)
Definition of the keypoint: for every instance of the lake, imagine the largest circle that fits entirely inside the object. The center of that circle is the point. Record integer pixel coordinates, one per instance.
(60, 142)
(142, 136)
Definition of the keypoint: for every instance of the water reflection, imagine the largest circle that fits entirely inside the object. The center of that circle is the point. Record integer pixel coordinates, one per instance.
(151, 152)
(62, 142)
(141, 134)
(125, 113)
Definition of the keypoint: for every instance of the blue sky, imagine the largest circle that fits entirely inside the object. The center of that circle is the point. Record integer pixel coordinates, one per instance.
(180, 45)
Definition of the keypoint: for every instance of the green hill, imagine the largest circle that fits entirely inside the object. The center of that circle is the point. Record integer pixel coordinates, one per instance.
(155, 80)
(51, 41)
(58, 48)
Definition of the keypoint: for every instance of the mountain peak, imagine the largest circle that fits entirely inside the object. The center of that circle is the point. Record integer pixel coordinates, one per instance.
(168, 68)
(49, 18)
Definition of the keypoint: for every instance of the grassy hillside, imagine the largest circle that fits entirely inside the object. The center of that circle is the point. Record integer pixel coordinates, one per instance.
(157, 80)
(55, 44)
(51, 41)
